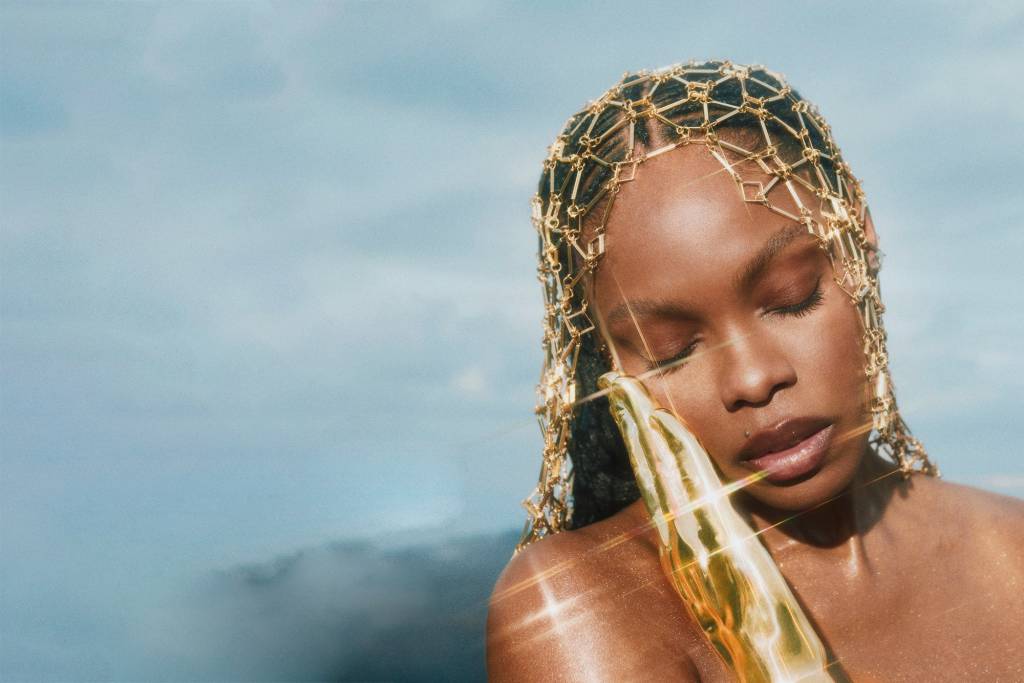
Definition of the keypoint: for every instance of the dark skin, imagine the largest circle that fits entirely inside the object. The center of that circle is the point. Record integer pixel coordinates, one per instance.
(905, 579)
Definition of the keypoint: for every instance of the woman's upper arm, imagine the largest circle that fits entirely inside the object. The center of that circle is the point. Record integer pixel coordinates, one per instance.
(524, 638)
(551, 619)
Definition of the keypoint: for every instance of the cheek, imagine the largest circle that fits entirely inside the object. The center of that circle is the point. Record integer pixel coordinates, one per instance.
(836, 349)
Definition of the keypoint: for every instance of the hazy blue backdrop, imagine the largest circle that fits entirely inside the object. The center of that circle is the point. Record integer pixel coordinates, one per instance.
(269, 320)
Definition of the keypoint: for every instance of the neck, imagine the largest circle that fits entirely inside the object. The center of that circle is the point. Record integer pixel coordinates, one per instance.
(841, 520)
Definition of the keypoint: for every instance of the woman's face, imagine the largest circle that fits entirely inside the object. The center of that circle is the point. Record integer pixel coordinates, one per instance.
(774, 346)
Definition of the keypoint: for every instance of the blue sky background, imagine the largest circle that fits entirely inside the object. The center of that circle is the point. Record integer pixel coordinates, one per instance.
(269, 326)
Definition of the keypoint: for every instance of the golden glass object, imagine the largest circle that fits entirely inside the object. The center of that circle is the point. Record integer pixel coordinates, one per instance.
(744, 117)
(710, 554)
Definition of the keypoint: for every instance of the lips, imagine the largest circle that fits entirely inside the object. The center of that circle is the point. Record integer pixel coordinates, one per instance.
(789, 450)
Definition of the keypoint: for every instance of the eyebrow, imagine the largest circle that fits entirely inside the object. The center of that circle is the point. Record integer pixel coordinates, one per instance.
(773, 246)
(748, 275)
(646, 307)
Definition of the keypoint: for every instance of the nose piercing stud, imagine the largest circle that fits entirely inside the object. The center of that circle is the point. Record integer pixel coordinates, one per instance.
(746, 433)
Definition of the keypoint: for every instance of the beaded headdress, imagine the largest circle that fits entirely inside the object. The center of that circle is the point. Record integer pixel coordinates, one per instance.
(604, 145)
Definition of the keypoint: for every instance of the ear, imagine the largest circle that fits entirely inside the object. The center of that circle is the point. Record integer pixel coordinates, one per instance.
(874, 255)
(869, 228)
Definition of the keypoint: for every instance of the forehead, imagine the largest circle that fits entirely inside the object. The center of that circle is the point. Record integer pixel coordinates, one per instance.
(684, 213)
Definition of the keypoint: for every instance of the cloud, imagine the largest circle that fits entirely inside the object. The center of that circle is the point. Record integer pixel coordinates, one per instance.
(471, 381)
(339, 612)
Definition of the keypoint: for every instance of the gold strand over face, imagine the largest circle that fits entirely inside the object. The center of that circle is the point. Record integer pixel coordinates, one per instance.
(710, 554)
(741, 115)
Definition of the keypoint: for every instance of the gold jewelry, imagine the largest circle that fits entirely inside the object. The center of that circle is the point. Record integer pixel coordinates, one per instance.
(738, 114)
(709, 552)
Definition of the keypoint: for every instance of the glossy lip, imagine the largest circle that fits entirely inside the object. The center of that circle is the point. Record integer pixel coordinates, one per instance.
(788, 450)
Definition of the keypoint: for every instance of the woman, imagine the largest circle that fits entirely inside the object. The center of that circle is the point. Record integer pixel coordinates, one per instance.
(700, 230)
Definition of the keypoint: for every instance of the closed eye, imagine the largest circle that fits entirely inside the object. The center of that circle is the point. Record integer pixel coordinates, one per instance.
(798, 310)
(673, 362)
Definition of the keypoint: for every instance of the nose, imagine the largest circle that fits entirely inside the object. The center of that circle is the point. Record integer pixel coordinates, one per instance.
(752, 369)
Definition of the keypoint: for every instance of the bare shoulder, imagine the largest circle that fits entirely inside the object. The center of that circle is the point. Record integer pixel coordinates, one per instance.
(981, 530)
(537, 628)
(967, 505)
(966, 567)
(547, 571)
(570, 607)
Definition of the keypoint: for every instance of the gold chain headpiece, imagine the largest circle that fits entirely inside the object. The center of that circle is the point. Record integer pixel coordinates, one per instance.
(652, 113)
